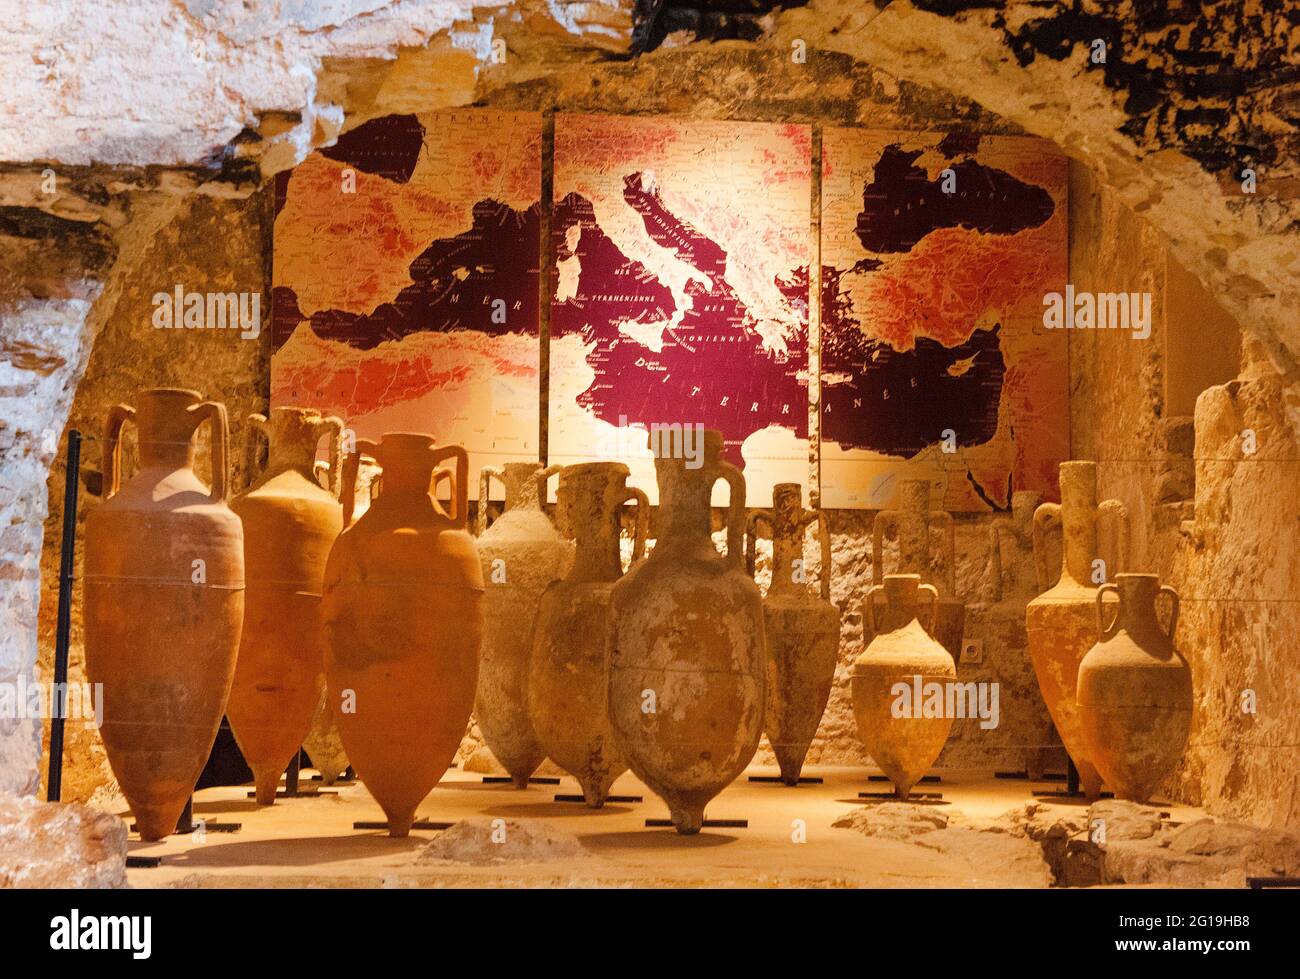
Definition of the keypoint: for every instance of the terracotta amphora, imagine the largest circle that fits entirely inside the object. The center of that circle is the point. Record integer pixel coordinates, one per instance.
(323, 744)
(290, 523)
(403, 613)
(522, 553)
(1062, 621)
(803, 631)
(568, 676)
(164, 594)
(901, 682)
(912, 522)
(688, 659)
(1004, 578)
(1135, 691)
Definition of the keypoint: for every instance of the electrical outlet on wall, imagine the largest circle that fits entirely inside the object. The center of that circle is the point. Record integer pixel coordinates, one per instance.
(972, 651)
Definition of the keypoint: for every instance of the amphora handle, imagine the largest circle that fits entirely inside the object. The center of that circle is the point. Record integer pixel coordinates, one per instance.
(735, 511)
(351, 470)
(215, 412)
(1104, 631)
(460, 483)
(118, 415)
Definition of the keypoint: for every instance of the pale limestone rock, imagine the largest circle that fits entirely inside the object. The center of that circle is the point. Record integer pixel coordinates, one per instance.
(994, 859)
(893, 820)
(487, 841)
(156, 82)
(1203, 853)
(43, 344)
(1120, 819)
(150, 81)
(1241, 566)
(1120, 842)
(52, 844)
(989, 856)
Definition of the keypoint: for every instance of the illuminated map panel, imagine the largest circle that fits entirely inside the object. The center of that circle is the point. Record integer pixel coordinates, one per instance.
(406, 278)
(936, 253)
(682, 252)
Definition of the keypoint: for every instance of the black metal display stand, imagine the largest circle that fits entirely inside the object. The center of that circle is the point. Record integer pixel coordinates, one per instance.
(292, 790)
(1071, 790)
(706, 824)
(1023, 776)
(418, 824)
(803, 779)
(348, 777)
(533, 780)
(927, 779)
(186, 823)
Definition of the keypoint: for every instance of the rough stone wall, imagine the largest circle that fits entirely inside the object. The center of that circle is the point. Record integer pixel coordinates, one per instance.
(1215, 521)
(1239, 575)
(63, 239)
(174, 83)
(1117, 382)
(35, 376)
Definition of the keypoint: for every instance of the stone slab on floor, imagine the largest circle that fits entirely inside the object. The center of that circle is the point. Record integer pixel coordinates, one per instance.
(53, 844)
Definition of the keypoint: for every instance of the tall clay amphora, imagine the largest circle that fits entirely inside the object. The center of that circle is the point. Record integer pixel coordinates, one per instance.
(1135, 691)
(1062, 621)
(323, 744)
(522, 553)
(164, 603)
(290, 524)
(1003, 574)
(403, 612)
(688, 660)
(803, 631)
(912, 521)
(568, 677)
(897, 679)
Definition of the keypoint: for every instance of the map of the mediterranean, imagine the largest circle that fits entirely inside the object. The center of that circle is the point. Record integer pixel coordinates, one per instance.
(407, 274)
(406, 278)
(681, 295)
(936, 253)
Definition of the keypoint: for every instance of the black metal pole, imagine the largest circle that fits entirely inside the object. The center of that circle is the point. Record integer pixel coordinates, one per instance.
(291, 775)
(63, 629)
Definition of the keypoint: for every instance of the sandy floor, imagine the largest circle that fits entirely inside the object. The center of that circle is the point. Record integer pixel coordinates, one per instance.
(311, 842)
